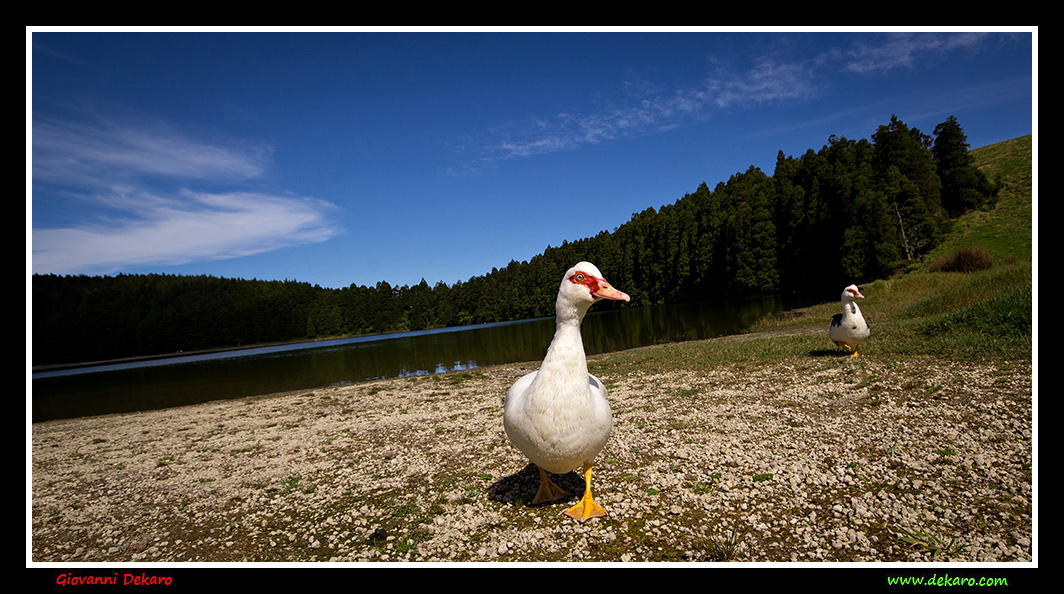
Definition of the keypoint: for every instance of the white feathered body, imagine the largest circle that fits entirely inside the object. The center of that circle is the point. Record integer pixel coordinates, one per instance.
(559, 416)
(849, 328)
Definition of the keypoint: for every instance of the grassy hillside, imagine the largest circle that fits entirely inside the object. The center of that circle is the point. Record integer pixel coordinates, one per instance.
(1005, 231)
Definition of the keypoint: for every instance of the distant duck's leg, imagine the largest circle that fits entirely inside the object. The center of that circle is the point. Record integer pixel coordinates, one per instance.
(586, 508)
(548, 491)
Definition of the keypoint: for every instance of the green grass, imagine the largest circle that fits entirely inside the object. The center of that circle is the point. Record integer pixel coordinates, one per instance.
(725, 546)
(921, 540)
(978, 316)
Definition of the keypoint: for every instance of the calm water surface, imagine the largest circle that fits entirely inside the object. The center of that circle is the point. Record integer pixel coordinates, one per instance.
(192, 379)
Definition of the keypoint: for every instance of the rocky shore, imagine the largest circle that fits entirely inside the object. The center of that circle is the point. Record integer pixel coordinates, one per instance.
(809, 459)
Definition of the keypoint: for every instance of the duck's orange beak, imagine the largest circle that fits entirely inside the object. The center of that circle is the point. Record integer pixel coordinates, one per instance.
(606, 291)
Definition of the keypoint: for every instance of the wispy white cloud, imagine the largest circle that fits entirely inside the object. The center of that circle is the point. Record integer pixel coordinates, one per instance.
(169, 232)
(104, 153)
(768, 81)
(136, 196)
(645, 109)
(645, 112)
(905, 50)
(772, 78)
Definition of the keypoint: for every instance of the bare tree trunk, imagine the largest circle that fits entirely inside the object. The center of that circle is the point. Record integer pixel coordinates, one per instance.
(901, 229)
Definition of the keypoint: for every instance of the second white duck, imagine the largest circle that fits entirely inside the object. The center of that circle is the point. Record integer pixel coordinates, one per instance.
(559, 416)
(849, 328)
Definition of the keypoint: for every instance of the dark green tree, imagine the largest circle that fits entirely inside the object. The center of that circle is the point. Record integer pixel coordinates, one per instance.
(964, 187)
(905, 168)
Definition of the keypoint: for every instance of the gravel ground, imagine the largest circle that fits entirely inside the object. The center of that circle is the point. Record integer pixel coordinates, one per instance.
(818, 459)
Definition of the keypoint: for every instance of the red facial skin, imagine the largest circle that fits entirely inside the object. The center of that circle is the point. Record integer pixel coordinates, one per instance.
(583, 278)
(600, 289)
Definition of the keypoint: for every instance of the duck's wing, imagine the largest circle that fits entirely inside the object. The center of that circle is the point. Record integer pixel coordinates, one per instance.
(596, 383)
(520, 386)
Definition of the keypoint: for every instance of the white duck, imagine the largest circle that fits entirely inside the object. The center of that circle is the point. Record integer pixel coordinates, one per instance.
(558, 416)
(849, 328)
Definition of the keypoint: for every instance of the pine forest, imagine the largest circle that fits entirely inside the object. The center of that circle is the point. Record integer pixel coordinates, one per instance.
(851, 212)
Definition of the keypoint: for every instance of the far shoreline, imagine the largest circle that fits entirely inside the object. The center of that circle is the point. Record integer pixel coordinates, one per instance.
(179, 354)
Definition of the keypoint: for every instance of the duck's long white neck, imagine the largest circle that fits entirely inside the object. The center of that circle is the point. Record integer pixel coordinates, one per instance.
(849, 306)
(565, 356)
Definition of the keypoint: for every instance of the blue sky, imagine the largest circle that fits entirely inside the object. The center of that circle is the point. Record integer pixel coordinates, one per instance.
(351, 157)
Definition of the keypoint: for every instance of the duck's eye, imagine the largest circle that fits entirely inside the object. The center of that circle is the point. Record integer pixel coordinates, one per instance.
(580, 277)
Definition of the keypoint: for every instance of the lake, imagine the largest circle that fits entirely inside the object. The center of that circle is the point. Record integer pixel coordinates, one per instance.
(192, 379)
